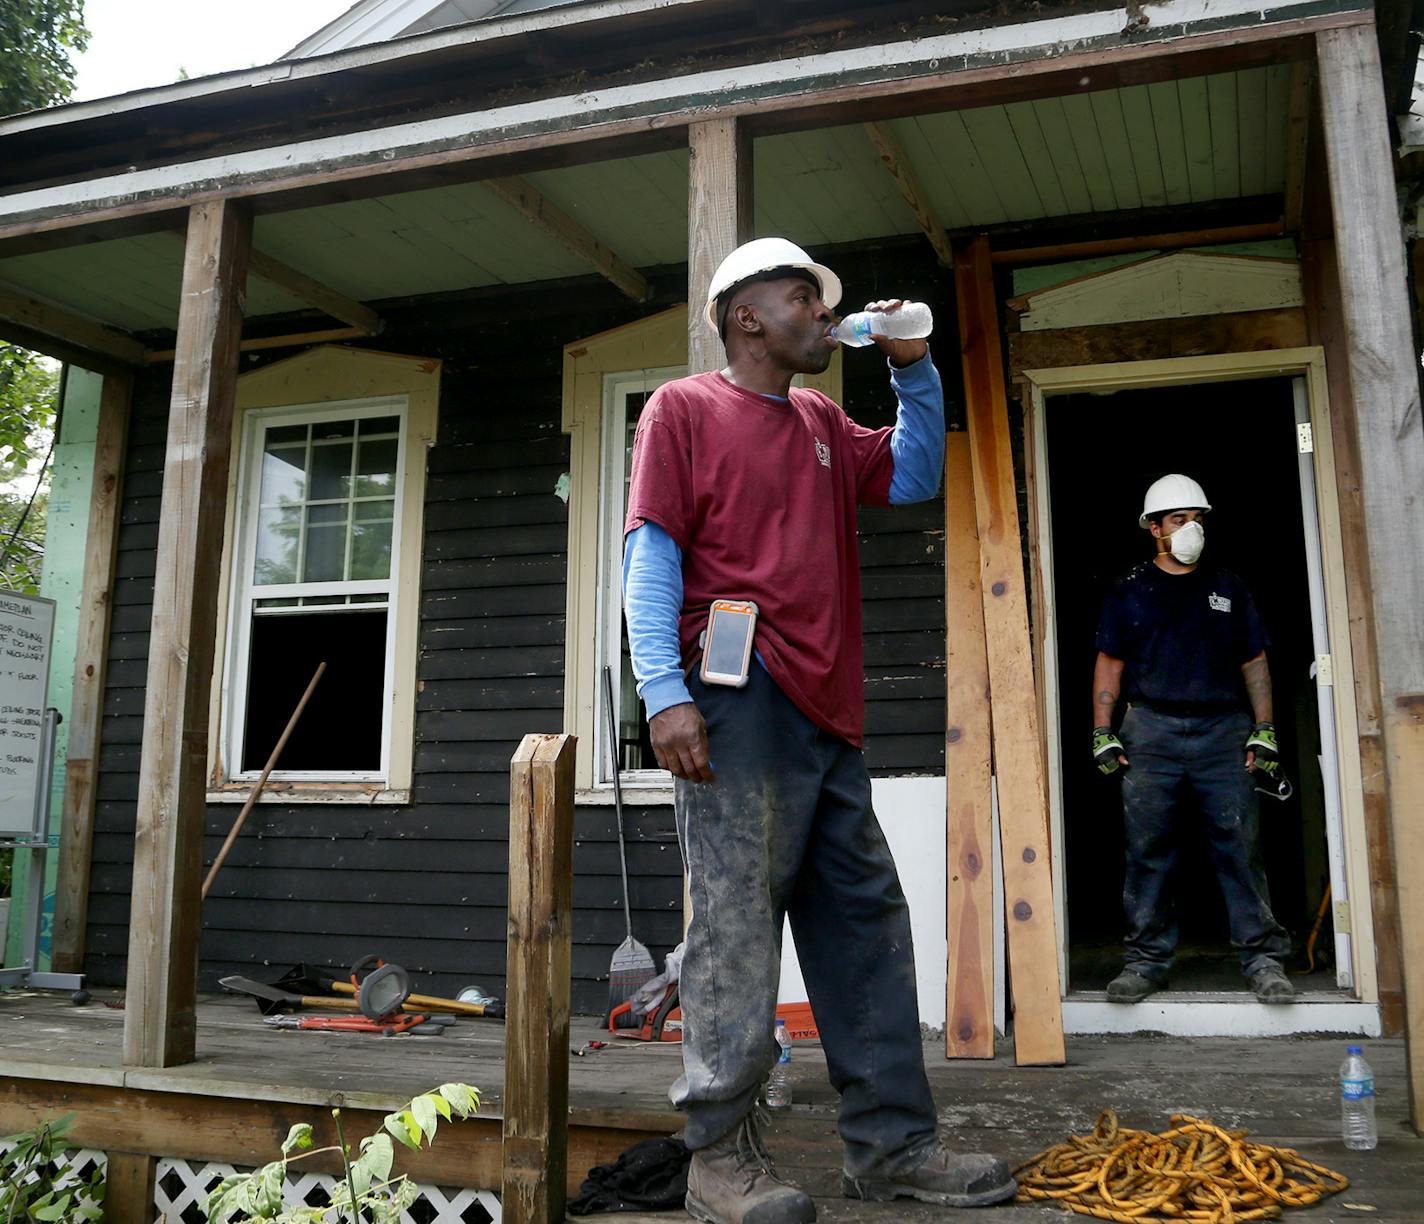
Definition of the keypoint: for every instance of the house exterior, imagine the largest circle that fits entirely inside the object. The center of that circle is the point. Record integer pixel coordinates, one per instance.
(357, 341)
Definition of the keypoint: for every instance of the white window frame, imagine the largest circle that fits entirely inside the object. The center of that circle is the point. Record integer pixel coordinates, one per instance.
(340, 382)
(649, 349)
(255, 426)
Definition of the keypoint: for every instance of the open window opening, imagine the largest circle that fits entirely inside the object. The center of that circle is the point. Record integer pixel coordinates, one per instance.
(1240, 441)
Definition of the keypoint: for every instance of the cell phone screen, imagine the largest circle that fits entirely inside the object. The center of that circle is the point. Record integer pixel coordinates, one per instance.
(727, 643)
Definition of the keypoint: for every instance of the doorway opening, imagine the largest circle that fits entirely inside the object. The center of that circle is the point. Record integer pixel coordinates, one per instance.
(1239, 440)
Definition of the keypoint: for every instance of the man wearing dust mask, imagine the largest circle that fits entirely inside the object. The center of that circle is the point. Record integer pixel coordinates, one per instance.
(1182, 643)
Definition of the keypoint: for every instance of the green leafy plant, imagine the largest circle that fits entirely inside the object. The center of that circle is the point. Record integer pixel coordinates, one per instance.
(367, 1191)
(34, 1185)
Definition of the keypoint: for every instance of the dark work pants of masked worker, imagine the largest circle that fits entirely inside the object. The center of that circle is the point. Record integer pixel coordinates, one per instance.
(1188, 778)
(787, 828)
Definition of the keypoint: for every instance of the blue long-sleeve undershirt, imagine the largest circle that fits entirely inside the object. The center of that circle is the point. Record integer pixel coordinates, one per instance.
(652, 561)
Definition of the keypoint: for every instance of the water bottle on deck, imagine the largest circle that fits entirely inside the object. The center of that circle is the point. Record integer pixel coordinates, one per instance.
(1357, 1102)
(778, 1086)
(913, 321)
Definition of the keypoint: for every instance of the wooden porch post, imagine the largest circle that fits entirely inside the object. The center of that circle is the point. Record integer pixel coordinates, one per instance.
(159, 1020)
(1384, 384)
(76, 838)
(1018, 747)
(533, 1185)
(719, 219)
(129, 1188)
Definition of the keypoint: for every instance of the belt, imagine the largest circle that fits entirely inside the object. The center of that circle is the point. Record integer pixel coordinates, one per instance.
(1187, 709)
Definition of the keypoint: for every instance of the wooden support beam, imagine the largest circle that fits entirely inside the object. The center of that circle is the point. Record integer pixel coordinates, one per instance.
(719, 219)
(893, 158)
(314, 293)
(569, 234)
(1297, 134)
(290, 340)
(19, 309)
(969, 1023)
(1384, 384)
(1018, 748)
(1093, 248)
(129, 1189)
(536, 1071)
(62, 350)
(91, 655)
(166, 918)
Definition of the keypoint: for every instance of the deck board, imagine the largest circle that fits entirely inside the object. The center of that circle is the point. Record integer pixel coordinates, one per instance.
(1280, 1089)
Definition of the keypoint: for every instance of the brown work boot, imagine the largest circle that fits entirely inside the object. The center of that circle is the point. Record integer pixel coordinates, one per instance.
(733, 1181)
(950, 1179)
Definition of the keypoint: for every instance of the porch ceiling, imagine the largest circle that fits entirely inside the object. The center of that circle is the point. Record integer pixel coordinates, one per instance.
(1172, 143)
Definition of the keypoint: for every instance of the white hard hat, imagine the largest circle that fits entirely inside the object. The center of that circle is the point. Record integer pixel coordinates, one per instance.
(1173, 492)
(764, 255)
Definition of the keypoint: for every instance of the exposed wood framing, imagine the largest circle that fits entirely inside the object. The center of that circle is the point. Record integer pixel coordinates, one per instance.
(1154, 339)
(893, 158)
(129, 1188)
(20, 310)
(569, 234)
(291, 340)
(969, 1004)
(536, 1071)
(160, 1016)
(1018, 747)
(91, 654)
(781, 95)
(1297, 131)
(1092, 249)
(243, 1130)
(1384, 383)
(719, 184)
(314, 293)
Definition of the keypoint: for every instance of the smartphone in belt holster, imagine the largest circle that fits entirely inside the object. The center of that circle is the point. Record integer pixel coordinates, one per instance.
(727, 642)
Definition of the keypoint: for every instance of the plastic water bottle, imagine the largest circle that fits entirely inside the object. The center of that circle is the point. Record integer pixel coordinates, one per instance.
(778, 1086)
(913, 321)
(1357, 1102)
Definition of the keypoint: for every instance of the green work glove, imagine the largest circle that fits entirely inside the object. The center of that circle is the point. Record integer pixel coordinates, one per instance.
(1262, 741)
(1106, 749)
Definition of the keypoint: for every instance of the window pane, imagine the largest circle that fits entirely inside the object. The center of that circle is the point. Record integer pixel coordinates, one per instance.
(326, 554)
(287, 435)
(341, 727)
(371, 550)
(375, 511)
(278, 531)
(327, 515)
(332, 429)
(376, 468)
(284, 474)
(379, 425)
(260, 604)
(331, 471)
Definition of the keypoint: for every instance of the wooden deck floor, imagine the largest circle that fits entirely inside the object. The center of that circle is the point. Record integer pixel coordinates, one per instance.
(1281, 1090)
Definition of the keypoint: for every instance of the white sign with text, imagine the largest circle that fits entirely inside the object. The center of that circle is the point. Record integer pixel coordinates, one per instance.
(26, 632)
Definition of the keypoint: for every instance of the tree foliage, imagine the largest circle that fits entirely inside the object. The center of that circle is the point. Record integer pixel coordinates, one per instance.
(36, 40)
(29, 386)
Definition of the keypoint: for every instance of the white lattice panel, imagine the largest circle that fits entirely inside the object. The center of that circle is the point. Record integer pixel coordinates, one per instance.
(181, 1190)
(81, 1160)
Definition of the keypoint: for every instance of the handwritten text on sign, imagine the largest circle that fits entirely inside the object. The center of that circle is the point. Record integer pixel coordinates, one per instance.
(26, 630)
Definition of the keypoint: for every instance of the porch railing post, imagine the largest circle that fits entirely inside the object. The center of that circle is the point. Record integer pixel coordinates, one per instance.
(160, 1023)
(719, 219)
(536, 1069)
(1384, 385)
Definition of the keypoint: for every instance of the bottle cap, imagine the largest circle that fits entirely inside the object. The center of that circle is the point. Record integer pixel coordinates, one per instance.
(780, 1023)
(1348, 1049)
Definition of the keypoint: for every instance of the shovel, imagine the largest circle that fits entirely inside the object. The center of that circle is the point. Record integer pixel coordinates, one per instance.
(632, 962)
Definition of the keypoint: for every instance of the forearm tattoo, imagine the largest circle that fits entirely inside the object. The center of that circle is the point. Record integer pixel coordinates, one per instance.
(1258, 687)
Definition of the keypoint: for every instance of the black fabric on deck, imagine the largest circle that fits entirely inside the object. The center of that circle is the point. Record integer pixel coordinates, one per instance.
(650, 1176)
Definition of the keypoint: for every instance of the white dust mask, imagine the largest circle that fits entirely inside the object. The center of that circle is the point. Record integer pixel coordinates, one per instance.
(1187, 543)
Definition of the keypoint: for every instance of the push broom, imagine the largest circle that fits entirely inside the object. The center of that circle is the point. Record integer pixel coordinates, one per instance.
(632, 963)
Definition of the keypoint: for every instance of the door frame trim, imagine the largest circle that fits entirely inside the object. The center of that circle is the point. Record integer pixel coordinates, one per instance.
(1307, 363)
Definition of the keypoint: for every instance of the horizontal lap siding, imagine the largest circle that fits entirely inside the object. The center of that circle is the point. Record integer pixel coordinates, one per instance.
(425, 885)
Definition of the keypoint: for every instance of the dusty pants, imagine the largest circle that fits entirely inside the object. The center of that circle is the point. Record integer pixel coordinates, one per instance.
(1188, 773)
(787, 828)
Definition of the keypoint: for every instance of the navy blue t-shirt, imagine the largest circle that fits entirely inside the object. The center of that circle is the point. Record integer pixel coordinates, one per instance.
(1183, 637)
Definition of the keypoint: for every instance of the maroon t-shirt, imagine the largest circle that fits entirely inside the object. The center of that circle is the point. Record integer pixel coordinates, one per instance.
(760, 495)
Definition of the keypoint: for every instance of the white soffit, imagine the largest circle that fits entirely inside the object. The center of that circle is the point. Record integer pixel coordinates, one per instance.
(1174, 286)
(374, 21)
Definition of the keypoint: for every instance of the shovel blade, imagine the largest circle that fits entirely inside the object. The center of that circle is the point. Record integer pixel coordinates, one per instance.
(632, 966)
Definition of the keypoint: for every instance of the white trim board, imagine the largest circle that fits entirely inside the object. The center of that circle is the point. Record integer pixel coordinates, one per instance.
(936, 58)
(1189, 1014)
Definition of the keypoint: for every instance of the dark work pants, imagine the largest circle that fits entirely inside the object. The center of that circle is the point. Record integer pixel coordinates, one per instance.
(787, 827)
(1188, 774)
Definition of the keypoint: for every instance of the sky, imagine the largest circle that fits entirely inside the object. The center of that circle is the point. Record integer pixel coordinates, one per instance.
(135, 44)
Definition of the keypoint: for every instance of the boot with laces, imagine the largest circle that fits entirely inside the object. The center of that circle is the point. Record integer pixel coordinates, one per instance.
(949, 1179)
(733, 1181)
